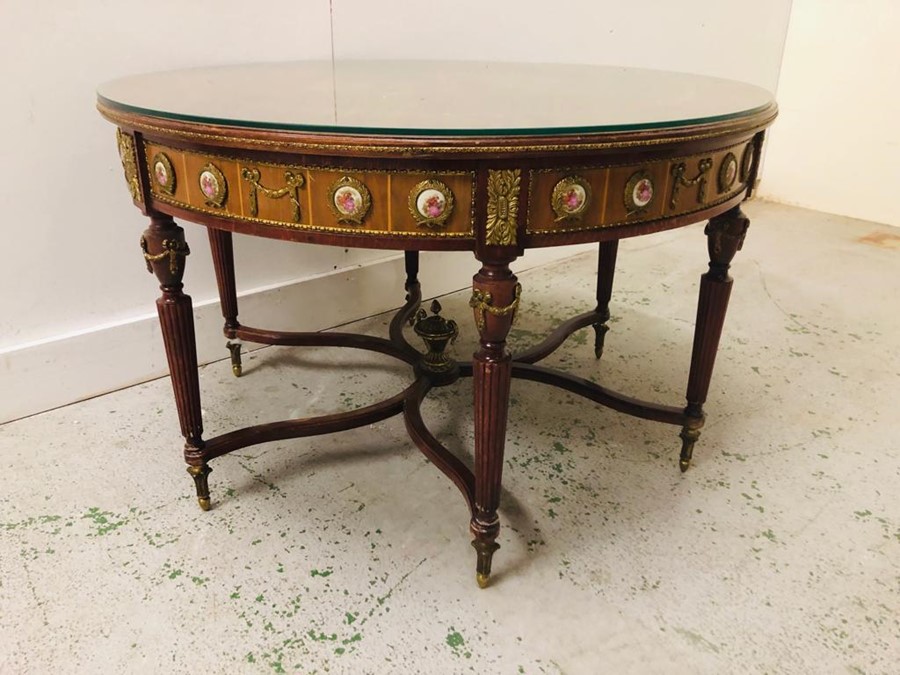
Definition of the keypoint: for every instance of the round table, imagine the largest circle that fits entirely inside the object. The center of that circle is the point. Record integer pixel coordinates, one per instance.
(489, 157)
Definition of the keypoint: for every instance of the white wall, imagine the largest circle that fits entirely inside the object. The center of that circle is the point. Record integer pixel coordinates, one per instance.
(836, 144)
(736, 40)
(76, 303)
(71, 264)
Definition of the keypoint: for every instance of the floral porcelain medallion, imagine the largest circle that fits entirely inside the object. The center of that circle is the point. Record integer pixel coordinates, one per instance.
(350, 200)
(571, 198)
(431, 203)
(164, 173)
(213, 185)
(639, 192)
(728, 172)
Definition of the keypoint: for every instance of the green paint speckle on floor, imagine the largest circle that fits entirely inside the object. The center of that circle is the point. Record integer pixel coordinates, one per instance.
(454, 639)
(105, 521)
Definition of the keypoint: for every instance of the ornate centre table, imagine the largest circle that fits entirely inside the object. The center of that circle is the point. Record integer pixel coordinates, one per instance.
(488, 157)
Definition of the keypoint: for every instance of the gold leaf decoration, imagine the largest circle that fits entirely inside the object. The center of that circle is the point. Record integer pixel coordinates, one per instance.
(503, 206)
(129, 163)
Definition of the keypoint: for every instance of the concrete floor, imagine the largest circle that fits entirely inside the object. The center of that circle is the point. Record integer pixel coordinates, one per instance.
(778, 552)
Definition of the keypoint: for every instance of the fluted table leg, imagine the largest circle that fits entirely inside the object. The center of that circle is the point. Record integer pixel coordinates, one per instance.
(725, 236)
(165, 251)
(495, 298)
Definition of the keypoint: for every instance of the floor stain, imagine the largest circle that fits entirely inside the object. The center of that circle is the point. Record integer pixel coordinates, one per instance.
(887, 240)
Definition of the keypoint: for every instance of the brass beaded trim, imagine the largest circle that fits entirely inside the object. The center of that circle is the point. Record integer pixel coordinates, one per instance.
(134, 121)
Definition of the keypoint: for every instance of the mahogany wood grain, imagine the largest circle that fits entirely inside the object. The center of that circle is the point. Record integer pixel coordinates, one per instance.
(406, 313)
(326, 339)
(491, 366)
(555, 339)
(313, 426)
(725, 237)
(598, 394)
(440, 456)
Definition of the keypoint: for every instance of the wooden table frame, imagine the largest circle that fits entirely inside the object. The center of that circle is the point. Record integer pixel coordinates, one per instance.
(511, 184)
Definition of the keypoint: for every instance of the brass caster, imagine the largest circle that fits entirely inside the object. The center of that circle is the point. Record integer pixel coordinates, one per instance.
(200, 475)
(235, 349)
(485, 550)
(689, 435)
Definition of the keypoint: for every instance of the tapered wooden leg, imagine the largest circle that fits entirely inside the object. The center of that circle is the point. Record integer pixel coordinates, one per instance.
(495, 299)
(606, 270)
(223, 259)
(725, 236)
(411, 262)
(165, 251)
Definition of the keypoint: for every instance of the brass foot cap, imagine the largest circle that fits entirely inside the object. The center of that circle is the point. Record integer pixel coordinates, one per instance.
(482, 579)
(204, 503)
(237, 370)
(683, 464)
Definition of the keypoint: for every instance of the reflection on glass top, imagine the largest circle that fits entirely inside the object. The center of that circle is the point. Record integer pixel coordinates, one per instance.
(435, 98)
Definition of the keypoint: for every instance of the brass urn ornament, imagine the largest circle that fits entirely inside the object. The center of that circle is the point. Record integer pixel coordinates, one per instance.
(437, 332)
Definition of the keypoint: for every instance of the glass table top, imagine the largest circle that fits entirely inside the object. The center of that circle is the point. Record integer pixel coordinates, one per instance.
(435, 98)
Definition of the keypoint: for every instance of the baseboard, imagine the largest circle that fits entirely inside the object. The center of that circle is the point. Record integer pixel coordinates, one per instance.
(72, 367)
